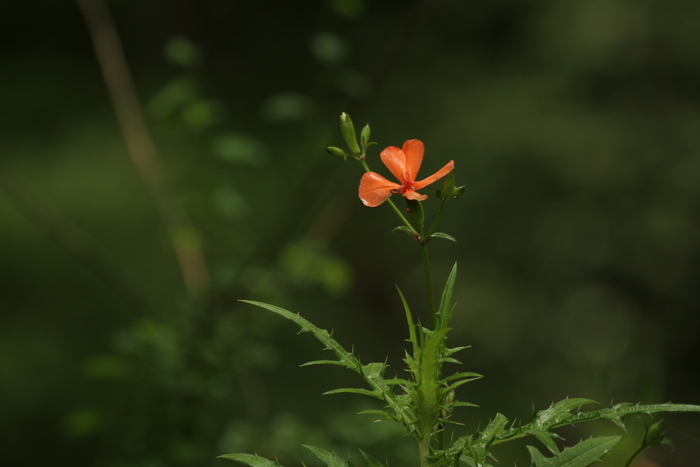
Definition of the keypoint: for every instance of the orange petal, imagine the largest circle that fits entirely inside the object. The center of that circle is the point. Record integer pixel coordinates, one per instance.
(375, 189)
(435, 177)
(415, 196)
(395, 161)
(413, 150)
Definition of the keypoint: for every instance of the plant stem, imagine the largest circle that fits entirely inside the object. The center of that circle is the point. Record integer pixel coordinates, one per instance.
(437, 218)
(429, 283)
(424, 450)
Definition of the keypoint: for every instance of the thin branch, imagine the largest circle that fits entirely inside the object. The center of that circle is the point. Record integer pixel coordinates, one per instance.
(72, 239)
(140, 145)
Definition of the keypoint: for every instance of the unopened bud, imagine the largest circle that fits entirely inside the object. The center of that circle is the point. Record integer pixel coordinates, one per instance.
(333, 151)
(348, 131)
(364, 136)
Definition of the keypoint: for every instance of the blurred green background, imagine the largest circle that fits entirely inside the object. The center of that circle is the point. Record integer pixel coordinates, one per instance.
(575, 127)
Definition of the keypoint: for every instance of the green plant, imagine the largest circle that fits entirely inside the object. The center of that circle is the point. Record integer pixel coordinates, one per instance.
(424, 402)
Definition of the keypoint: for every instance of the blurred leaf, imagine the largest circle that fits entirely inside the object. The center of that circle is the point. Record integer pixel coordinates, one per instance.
(203, 113)
(349, 9)
(183, 52)
(83, 422)
(286, 107)
(370, 461)
(329, 458)
(328, 47)
(239, 149)
(582, 455)
(251, 460)
(106, 367)
(231, 204)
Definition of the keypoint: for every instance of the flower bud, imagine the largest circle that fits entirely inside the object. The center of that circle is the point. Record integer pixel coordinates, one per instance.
(364, 136)
(333, 151)
(655, 434)
(348, 131)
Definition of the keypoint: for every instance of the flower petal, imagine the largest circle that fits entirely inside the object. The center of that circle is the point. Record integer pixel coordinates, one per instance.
(410, 194)
(375, 189)
(395, 161)
(413, 150)
(435, 177)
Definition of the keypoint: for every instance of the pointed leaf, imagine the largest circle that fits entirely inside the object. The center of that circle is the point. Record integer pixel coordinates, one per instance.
(443, 235)
(364, 392)
(369, 460)
(345, 358)
(329, 458)
(251, 460)
(582, 455)
(446, 307)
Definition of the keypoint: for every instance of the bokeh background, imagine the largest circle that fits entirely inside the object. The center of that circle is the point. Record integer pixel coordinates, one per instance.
(575, 127)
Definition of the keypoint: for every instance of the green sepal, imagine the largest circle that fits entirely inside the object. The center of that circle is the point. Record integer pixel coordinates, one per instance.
(327, 457)
(347, 129)
(333, 151)
(364, 136)
(250, 460)
(416, 214)
(584, 454)
(443, 235)
(369, 460)
(448, 186)
(655, 435)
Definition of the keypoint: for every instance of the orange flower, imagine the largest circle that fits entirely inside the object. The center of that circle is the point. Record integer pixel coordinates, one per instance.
(404, 165)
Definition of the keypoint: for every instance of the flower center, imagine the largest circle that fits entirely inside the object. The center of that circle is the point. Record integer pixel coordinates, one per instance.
(407, 184)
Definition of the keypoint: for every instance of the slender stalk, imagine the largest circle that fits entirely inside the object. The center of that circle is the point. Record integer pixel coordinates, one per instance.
(437, 218)
(634, 456)
(140, 145)
(429, 283)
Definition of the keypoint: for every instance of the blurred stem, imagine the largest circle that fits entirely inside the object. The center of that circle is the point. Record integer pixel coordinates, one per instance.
(72, 239)
(140, 145)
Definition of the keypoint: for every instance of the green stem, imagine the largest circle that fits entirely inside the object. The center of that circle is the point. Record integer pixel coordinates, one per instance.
(636, 453)
(424, 450)
(437, 218)
(429, 283)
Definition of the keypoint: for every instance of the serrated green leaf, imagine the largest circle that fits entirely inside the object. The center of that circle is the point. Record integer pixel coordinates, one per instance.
(428, 391)
(327, 457)
(251, 460)
(582, 455)
(477, 444)
(443, 235)
(369, 460)
(364, 392)
(345, 358)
